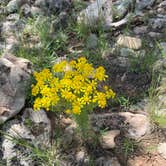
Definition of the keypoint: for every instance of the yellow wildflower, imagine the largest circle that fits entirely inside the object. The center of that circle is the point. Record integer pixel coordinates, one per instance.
(100, 74)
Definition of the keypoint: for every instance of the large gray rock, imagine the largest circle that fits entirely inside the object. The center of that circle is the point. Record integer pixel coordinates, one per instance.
(34, 129)
(100, 10)
(14, 77)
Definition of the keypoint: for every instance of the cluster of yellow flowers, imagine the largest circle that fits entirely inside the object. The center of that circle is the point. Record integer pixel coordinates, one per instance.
(77, 83)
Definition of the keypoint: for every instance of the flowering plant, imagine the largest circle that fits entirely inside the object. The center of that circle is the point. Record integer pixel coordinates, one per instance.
(75, 87)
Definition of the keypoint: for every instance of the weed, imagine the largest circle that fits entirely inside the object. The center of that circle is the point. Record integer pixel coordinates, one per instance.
(155, 106)
(128, 146)
(124, 102)
(151, 148)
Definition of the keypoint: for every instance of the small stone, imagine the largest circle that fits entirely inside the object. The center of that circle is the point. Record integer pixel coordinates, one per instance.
(140, 30)
(11, 44)
(162, 4)
(163, 47)
(80, 156)
(26, 10)
(35, 11)
(155, 34)
(161, 10)
(107, 139)
(130, 42)
(142, 4)
(13, 17)
(157, 23)
(40, 3)
(162, 149)
(66, 121)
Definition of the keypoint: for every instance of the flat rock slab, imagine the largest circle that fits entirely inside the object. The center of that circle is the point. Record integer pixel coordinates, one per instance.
(129, 42)
(14, 75)
(132, 125)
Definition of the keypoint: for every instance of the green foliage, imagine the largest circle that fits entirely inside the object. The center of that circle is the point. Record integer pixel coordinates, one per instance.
(157, 86)
(143, 63)
(124, 102)
(128, 146)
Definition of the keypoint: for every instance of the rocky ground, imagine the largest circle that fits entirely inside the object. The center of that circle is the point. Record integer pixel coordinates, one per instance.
(127, 37)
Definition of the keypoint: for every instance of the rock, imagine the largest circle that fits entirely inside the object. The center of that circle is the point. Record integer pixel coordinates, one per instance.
(13, 17)
(14, 76)
(140, 30)
(157, 23)
(127, 52)
(14, 5)
(40, 3)
(155, 34)
(159, 67)
(162, 46)
(142, 4)
(162, 149)
(35, 129)
(25, 10)
(140, 107)
(161, 10)
(12, 150)
(100, 10)
(8, 28)
(80, 156)
(92, 41)
(39, 124)
(36, 11)
(130, 42)
(107, 139)
(139, 125)
(147, 160)
(107, 161)
(133, 125)
(68, 135)
(162, 4)
(121, 7)
(11, 44)
(11, 28)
